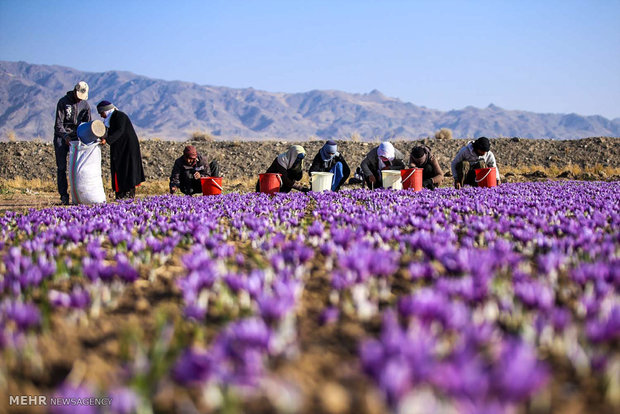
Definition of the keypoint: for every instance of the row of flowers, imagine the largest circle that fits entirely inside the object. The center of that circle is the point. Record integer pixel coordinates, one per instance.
(481, 293)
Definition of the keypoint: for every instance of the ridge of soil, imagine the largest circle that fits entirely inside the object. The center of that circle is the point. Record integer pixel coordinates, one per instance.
(246, 159)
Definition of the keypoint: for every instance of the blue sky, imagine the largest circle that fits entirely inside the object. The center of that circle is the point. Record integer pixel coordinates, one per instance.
(542, 56)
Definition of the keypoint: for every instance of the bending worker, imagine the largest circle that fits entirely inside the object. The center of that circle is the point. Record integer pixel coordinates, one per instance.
(290, 165)
(478, 154)
(383, 157)
(421, 157)
(188, 170)
(330, 160)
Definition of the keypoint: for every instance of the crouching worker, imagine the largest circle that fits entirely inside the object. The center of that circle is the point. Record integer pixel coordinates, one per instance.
(330, 160)
(383, 157)
(478, 154)
(290, 165)
(188, 169)
(421, 157)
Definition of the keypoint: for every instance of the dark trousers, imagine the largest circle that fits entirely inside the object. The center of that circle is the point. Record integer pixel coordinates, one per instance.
(468, 177)
(61, 150)
(377, 184)
(214, 167)
(427, 176)
(126, 194)
(192, 187)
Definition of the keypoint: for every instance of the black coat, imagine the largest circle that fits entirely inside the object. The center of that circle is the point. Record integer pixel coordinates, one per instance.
(370, 166)
(182, 175)
(289, 177)
(318, 165)
(125, 157)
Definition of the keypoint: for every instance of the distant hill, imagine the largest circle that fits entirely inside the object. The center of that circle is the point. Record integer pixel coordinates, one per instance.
(174, 110)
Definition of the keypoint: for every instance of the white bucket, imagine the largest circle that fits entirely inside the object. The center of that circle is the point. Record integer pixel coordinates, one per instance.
(392, 179)
(321, 181)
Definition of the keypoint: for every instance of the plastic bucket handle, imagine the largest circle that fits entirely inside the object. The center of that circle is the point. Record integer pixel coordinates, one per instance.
(216, 184)
(485, 176)
(409, 176)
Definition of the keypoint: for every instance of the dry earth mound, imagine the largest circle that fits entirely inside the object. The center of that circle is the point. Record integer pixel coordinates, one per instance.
(521, 159)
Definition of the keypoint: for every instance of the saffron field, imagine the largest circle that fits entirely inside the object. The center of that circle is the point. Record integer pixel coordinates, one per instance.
(475, 301)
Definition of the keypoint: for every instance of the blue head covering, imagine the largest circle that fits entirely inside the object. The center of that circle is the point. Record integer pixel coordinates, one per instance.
(329, 150)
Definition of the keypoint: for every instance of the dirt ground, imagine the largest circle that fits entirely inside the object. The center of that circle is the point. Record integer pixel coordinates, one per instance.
(23, 187)
(245, 159)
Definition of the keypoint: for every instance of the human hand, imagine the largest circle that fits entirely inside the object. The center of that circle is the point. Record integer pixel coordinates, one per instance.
(372, 179)
(173, 190)
(457, 185)
(102, 141)
(196, 175)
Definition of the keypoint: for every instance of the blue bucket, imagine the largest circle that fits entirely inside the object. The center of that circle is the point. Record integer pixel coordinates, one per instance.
(89, 132)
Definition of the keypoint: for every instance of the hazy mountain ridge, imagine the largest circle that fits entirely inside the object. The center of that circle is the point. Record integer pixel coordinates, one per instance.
(175, 109)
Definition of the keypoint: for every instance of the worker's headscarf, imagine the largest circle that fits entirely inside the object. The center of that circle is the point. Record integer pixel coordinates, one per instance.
(190, 151)
(288, 158)
(328, 151)
(386, 150)
(104, 106)
(107, 108)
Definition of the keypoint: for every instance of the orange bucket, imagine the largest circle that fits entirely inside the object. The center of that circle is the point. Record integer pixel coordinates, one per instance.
(211, 185)
(270, 183)
(412, 178)
(486, 177)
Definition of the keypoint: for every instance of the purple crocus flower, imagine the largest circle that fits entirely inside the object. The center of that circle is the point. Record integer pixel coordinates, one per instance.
(68, 393)
(25, 315)
(316, 229)
(124, 270)
(59, 299)
(193, 367)
(606, 328)
(329, 315)
(124, 401)
(518, 373)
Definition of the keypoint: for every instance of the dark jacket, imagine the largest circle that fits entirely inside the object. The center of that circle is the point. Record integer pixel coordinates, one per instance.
(370, 165)
(318, 165)
(432, 175)
(125, 157)
(69, 114)
(289, 177)
(182, 175)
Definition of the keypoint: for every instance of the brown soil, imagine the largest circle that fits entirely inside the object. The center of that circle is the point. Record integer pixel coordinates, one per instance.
(245, 159)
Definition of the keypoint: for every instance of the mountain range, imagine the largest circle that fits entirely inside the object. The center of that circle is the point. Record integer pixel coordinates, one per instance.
(174, 110)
